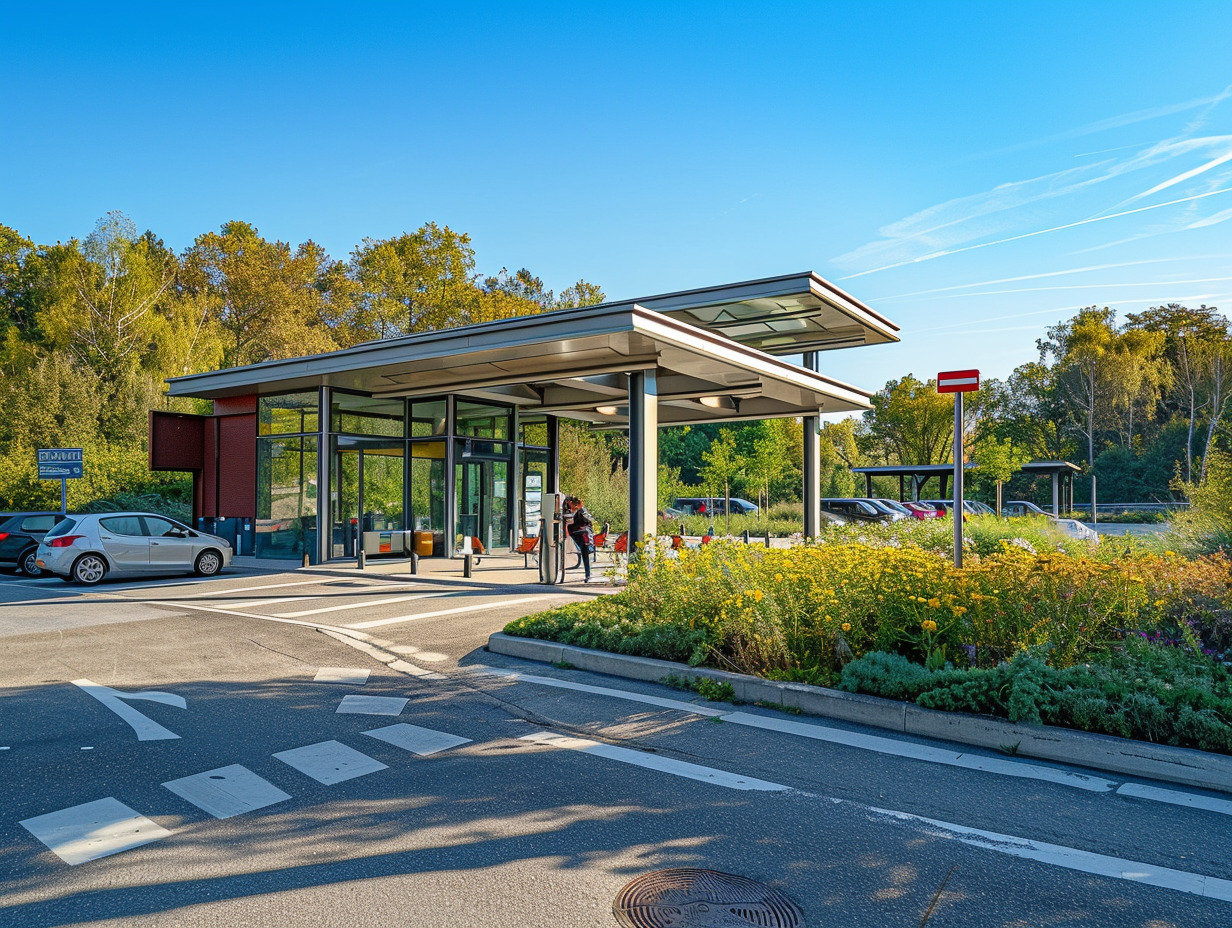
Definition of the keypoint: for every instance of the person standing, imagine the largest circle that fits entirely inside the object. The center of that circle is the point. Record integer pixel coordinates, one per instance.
(581, 530)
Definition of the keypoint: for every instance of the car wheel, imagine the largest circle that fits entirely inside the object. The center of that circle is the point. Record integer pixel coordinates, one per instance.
(29, 564)
(209, 562)
(89, 569)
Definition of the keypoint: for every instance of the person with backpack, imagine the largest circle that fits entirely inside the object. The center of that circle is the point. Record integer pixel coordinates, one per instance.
(580, 527)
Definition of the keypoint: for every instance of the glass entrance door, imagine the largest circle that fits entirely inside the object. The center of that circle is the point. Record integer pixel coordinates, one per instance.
(481, 488)
(367, 495)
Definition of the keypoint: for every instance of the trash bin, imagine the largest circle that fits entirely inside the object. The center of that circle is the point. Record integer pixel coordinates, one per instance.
(423, 544)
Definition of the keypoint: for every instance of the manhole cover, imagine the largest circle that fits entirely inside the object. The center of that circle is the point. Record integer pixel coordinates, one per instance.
(691, 898)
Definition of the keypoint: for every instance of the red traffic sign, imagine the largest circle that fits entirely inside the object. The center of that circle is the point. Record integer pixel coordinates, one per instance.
(958, 381)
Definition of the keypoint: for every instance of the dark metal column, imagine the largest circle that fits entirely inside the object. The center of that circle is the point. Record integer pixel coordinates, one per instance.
(325, 517)
(812, 463)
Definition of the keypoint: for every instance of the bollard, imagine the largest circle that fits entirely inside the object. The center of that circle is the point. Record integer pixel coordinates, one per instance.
(305, 558)
(746, 536)
(414, 563)
(767, 538)
(359, 560)
(468, 564)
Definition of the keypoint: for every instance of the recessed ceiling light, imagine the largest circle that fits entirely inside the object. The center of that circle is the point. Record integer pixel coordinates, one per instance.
(714, 402)
(606, 410)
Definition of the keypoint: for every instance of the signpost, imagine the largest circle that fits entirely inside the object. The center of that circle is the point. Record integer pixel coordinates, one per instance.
(958, 383)
(63, 464)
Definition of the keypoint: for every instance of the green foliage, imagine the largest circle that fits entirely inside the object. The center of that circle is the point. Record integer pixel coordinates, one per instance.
(1206, 526)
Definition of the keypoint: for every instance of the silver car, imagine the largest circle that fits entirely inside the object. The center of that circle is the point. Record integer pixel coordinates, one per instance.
(86, 548)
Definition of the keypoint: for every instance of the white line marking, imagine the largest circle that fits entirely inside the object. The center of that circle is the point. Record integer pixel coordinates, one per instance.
(371, 705)
(276, 586)
(431, 615)
(146, 728)
(421, 741)
(677, 768)
(352, 676)
(393, 663)
(880, 745)
(603, 691)
(227, 791)
(330, 762)
(922, 752)
(1176, 798)
(1134, 871)
(388, 600)
(92, 830)
(278, 600)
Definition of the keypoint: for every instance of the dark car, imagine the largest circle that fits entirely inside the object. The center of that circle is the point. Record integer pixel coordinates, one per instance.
(855, 509)
(20, 534)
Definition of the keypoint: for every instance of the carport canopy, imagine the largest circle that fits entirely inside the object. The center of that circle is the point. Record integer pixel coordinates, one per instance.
(922, 473)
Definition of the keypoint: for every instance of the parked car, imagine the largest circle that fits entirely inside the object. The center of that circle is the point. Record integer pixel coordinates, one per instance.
(972, 507)
(857, 510)
(86, 548)
(887, 507)
(20, 534)
(924, 510)
(1071, 527)
(714, 505)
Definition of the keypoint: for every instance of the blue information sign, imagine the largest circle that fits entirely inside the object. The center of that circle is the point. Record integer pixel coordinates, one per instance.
(60, 463)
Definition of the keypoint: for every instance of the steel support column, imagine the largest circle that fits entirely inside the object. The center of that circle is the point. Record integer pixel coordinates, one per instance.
(1056, 496)
(325, 517)
(643, 456)
(812, 463)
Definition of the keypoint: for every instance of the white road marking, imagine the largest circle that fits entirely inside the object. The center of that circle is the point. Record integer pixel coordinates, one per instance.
(387, 601)
(352, 676)
(227, 791)
(1176, 798)
(677, 704)
(922, 752)
(421, 741)
(276, 586)
(330, 762)
(146, 728)
(92, 830)
(875, 743)
(375, 623)
(677, 768)
(275, 601)
(371, 705)
(1134, 871)
(393, 663)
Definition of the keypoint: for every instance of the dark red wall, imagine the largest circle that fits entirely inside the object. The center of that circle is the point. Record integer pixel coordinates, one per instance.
(220, 451)
(237, 466)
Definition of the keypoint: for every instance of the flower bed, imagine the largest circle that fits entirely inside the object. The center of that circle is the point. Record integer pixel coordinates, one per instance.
(832, 614)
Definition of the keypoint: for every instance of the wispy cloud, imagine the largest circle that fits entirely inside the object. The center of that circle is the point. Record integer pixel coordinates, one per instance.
(1069, 308)
(1014, 238)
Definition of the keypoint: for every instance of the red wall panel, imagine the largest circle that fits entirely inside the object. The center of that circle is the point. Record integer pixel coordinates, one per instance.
(237, 466)
(235, 405)
(177, 441)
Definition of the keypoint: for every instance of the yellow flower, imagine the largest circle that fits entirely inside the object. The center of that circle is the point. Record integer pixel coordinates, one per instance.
(757, 595)
(928, 625)
(846, 626)
(778, 578)
(935, 603)
(1159, 602)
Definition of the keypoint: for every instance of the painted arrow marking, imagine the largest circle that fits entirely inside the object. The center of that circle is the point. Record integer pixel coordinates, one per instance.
(147, 729)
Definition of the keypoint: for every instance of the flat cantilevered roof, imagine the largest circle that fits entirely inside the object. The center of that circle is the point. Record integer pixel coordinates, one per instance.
(711, 359)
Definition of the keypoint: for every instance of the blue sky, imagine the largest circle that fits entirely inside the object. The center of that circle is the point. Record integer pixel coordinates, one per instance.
(975, 171)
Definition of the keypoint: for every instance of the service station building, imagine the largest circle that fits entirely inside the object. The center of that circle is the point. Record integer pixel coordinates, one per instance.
(431, 437)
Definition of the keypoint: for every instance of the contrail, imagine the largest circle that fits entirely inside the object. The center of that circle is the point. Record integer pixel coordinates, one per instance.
(1110, 286)
(1063, 309)
(1014, 238)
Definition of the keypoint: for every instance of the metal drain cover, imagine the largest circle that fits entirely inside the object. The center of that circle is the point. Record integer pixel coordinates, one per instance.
(690, 898)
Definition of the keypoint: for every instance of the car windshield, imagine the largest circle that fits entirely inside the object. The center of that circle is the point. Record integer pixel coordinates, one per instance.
(894, 505)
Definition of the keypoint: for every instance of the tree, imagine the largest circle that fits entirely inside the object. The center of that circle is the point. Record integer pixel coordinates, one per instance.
(910, 423)
(722, 463)
(265, 296)
(999, 459)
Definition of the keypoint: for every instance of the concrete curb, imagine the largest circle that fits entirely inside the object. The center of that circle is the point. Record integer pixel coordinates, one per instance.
(1184, 766)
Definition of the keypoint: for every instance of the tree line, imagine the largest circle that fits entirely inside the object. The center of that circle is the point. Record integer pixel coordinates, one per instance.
(90, 328)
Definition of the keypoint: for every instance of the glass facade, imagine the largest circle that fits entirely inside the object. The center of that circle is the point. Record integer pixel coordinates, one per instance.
(389, 486)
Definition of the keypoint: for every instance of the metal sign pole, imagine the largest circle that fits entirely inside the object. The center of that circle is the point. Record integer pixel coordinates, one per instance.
(63, 496)
(958, 479)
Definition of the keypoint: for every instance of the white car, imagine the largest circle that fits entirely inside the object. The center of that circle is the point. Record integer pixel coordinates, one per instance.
(1071, 527)
(87, 548)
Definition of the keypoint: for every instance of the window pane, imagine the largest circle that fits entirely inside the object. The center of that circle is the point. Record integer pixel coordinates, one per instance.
(427, 418)
(367, 415)
(123, 525)
(286, 497)
(37, 523)
(477, 420)
(287, 413)
(156, 527)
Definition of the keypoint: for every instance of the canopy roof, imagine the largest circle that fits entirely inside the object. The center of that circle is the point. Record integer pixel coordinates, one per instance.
(937, 470)
(706, 347)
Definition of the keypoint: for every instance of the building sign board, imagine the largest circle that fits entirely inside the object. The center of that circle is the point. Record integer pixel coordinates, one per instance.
(60, 464)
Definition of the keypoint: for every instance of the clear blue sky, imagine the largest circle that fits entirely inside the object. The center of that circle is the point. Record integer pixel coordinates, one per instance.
(924, 156)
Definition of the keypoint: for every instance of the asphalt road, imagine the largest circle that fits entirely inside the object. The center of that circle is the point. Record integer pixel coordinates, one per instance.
(566, 786)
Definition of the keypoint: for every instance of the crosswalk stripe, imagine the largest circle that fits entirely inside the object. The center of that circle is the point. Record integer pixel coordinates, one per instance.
(417, 740)
(371, 705)
(330, 762)
(386, 601)
(677, 768)
(93, 829)
(227, 791)
(375, 623)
